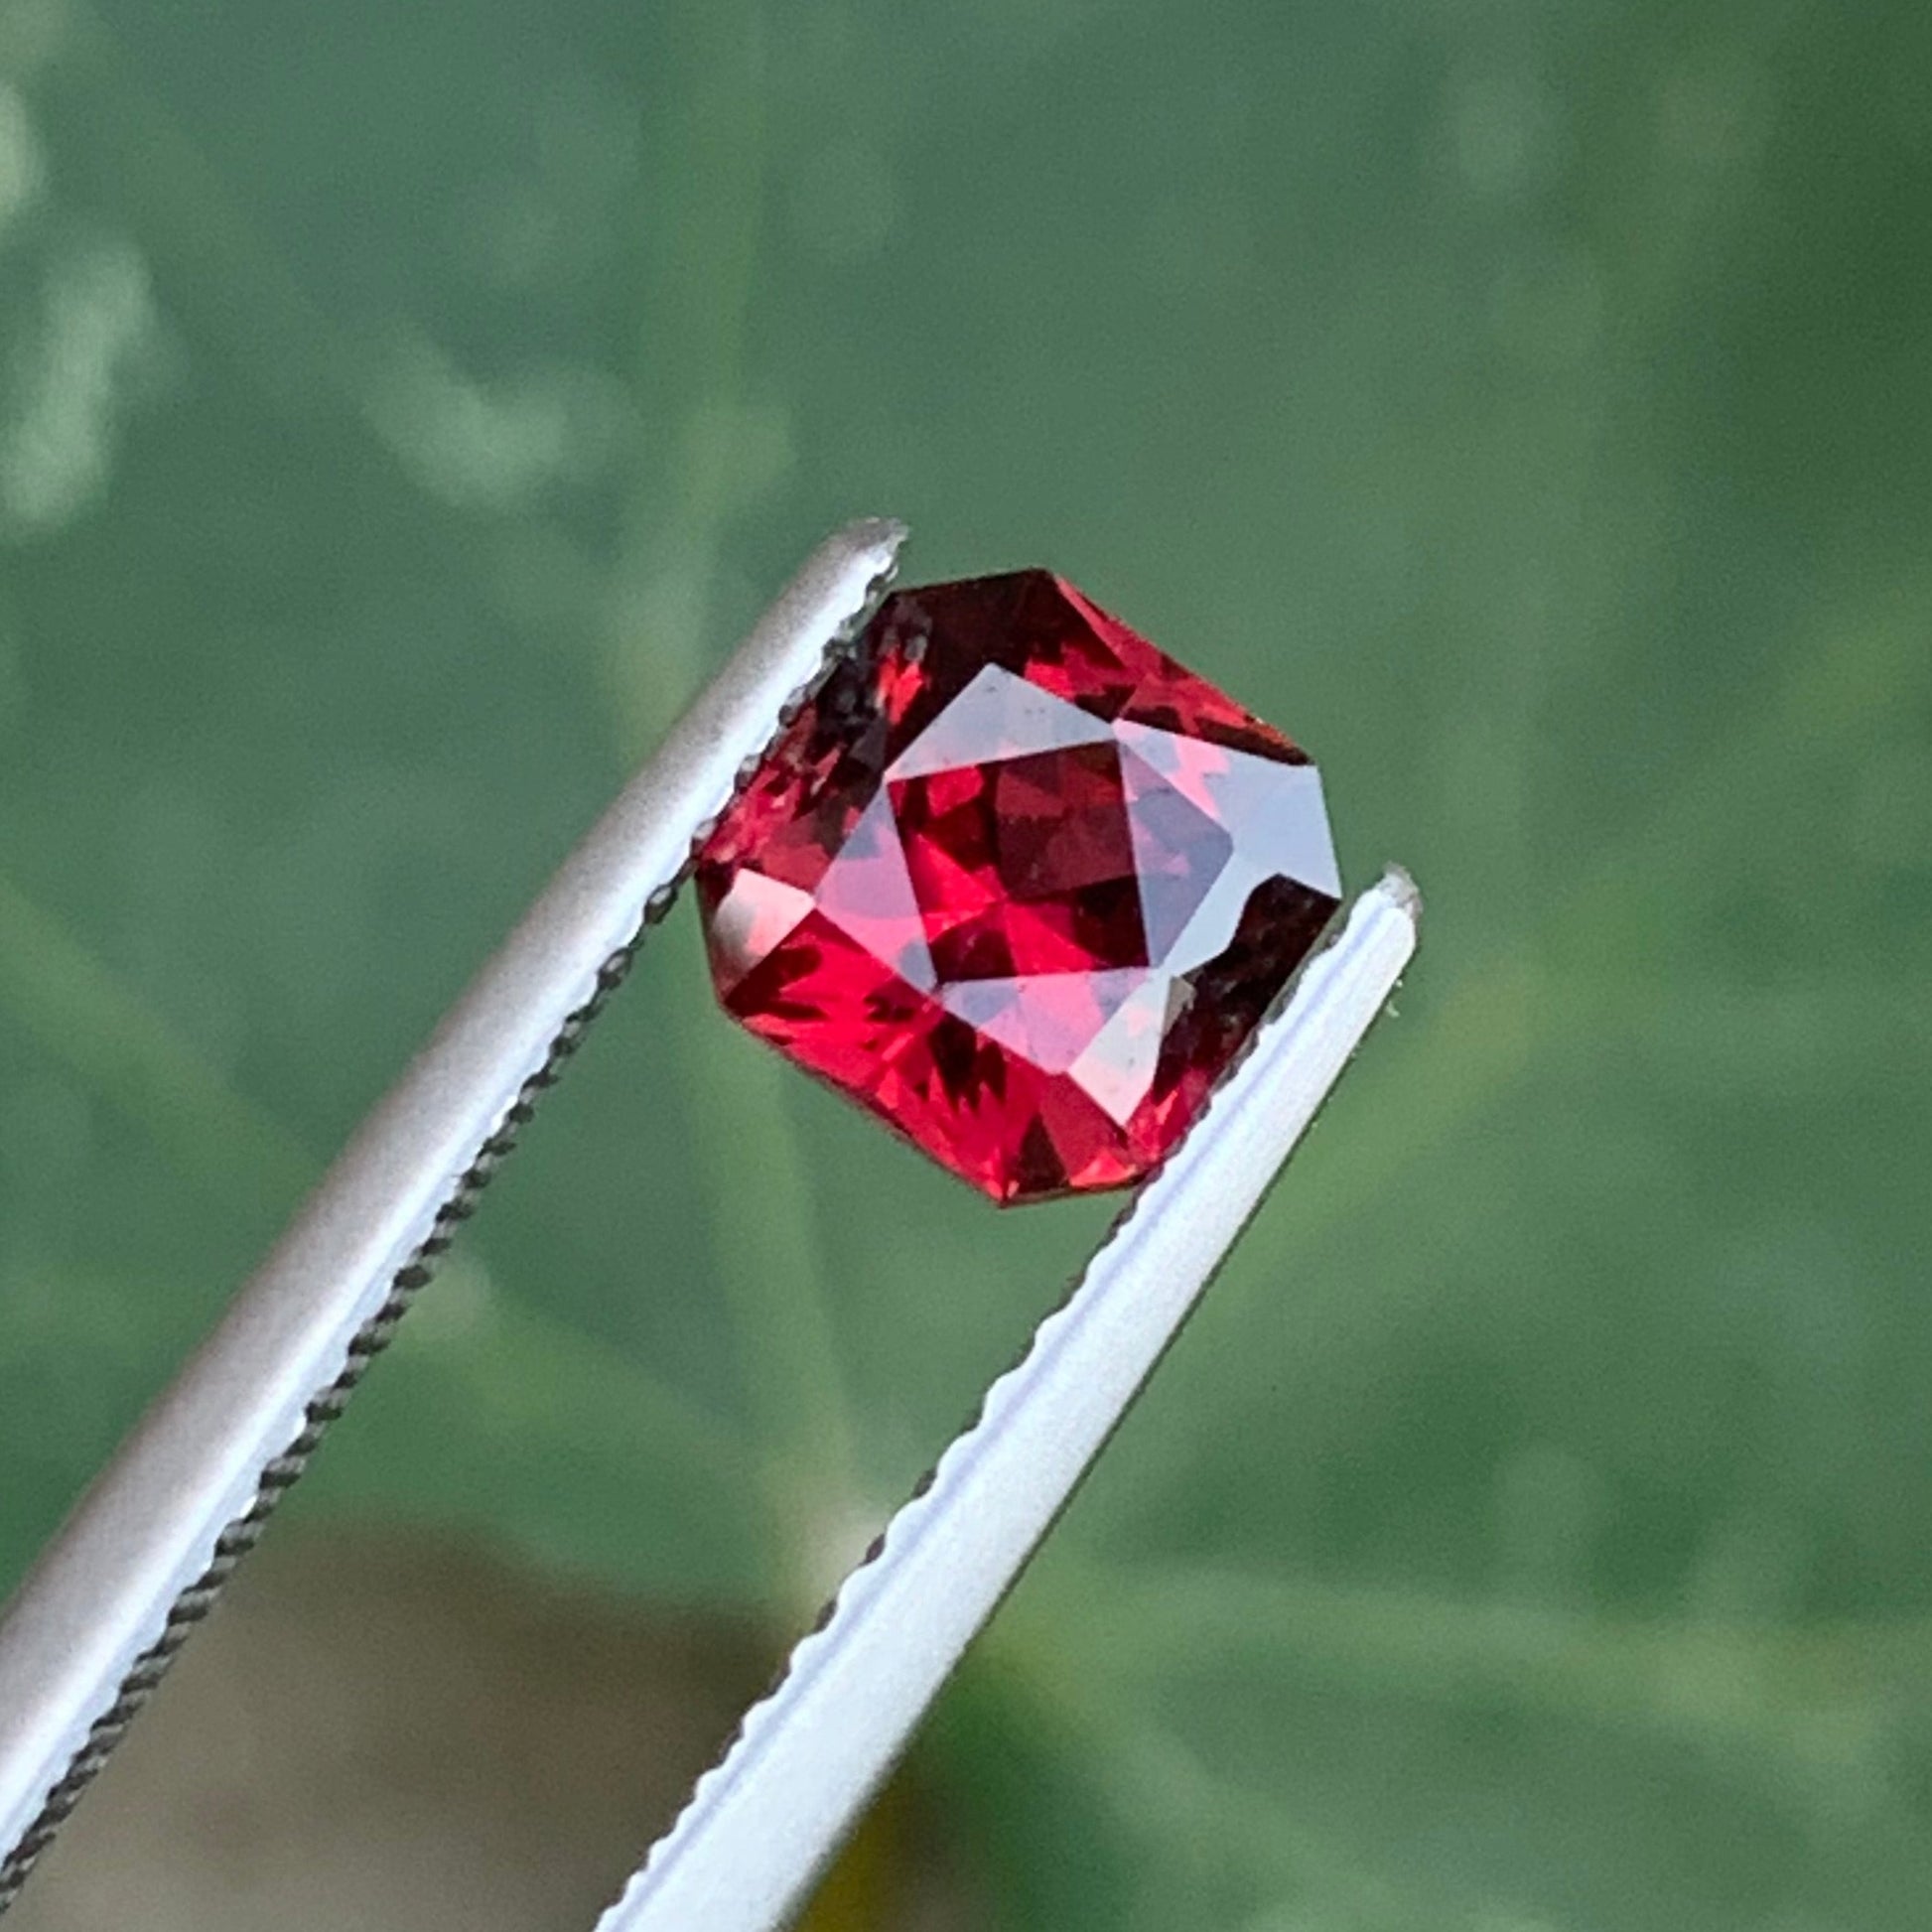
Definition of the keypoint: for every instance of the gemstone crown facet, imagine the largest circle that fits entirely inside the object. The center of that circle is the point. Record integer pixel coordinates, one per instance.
(1018, 884)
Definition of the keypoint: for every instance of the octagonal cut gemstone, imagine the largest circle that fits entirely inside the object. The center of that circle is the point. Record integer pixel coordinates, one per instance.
(1018, 884)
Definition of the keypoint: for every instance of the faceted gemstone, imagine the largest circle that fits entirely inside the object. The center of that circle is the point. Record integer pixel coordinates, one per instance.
(1018, 884)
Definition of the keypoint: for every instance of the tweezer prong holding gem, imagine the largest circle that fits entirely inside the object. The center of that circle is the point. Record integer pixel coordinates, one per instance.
(762, 1825)
(127, 1578)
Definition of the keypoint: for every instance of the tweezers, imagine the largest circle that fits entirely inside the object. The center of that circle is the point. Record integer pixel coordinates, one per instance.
(140, 1561)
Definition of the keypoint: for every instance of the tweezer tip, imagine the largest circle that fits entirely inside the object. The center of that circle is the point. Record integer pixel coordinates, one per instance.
(1402, 892)
(884, 534)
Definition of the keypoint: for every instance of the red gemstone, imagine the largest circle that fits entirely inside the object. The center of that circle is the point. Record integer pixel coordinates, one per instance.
(1018, 884)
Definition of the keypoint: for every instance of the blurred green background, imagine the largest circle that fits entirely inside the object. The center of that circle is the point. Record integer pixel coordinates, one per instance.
(1528, 406)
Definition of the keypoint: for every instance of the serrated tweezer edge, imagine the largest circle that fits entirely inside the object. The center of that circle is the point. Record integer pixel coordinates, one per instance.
(91, 1629)
(762, 1825)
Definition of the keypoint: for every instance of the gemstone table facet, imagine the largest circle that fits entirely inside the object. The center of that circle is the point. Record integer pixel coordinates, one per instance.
(1018, 884)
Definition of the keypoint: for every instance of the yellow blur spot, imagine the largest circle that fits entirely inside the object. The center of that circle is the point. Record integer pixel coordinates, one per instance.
(864, 1885)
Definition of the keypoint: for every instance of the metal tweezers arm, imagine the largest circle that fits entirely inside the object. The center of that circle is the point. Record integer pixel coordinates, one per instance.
(152, 1525)
(96, 1620)
(760, 1826)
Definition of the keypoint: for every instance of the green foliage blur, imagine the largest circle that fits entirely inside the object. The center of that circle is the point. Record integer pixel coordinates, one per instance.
(1528, 406)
